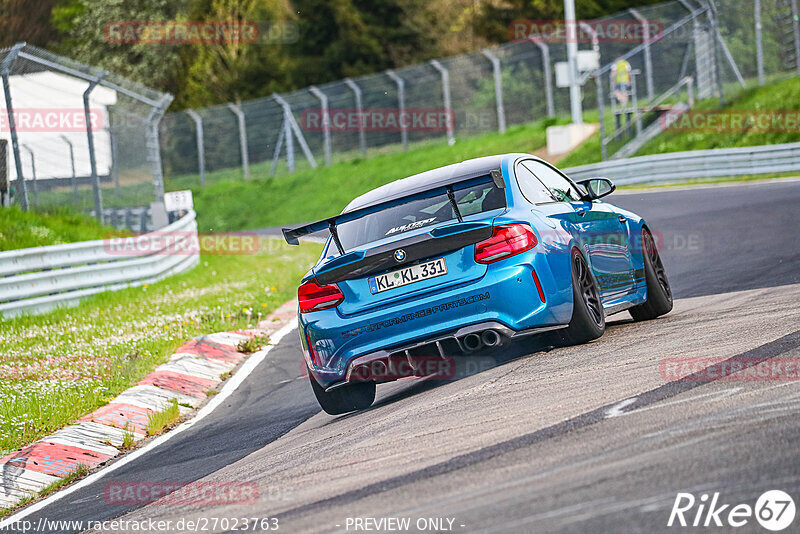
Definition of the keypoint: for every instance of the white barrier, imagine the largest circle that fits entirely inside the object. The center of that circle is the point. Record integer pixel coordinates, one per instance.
(39, 279)
(712, 163)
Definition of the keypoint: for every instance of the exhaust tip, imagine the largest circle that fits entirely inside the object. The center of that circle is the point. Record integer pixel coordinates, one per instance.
(491, 338)
(376, 370)
(472, 342)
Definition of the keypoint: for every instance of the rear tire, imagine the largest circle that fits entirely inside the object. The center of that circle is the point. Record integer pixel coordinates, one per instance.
(344, 399)
(659, 294)
(588, 318)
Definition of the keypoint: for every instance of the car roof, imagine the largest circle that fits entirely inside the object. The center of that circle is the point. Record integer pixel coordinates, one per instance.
(431, 179)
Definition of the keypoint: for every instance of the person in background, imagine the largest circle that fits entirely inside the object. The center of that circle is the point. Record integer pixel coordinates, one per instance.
(621, 84)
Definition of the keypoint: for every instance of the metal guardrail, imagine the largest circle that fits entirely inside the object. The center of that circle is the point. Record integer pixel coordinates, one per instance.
(712, 163)
(39, 279)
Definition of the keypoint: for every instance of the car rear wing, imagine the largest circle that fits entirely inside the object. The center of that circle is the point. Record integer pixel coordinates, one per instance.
(292, 235)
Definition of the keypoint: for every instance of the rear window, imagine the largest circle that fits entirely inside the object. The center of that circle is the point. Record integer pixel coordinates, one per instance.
(417, 214)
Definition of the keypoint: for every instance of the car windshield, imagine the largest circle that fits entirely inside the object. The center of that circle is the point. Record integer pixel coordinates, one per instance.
(418, 214)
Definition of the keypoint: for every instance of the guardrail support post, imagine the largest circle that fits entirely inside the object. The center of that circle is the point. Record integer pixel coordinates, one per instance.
(498, 90)
(648, 61)
(33, 176)
(362, 142)
(326, 122)
(98, 197)
(201, 147)
(242, 138)
(401, 104)
(548, 77)
(5, 71)
(446, 99)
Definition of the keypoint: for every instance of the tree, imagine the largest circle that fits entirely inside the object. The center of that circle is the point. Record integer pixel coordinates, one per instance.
(84, 24)
(237, 70)
(22, 20)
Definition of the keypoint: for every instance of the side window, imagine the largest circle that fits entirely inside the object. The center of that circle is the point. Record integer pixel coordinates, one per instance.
(531, 187)
(561, 189)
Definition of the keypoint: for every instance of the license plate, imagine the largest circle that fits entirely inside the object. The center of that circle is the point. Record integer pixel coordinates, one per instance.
(407, 275)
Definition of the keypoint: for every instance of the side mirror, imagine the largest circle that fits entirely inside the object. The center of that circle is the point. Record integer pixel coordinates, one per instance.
(597, 188)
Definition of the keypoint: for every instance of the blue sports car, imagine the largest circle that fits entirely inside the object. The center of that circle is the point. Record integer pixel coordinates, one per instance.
(464, 258)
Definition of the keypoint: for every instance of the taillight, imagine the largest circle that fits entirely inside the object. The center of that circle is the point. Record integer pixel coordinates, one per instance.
(506, 240)
(314, 297)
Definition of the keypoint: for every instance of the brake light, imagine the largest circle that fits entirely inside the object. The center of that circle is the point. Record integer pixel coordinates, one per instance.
(506, 240)
(314, 297)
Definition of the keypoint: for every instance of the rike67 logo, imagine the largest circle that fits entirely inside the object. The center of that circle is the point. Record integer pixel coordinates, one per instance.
(774, 510)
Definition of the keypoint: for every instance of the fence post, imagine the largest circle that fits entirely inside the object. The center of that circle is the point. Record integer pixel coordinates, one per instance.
(648, 60)
(326, 122)
(242, 138)
(5, 71)
(33, 176)
(72, 164)
(98, 197)
(759, 42)
(362, 142)
(289, 138)
(548, 77)
(712, 15)
(114, 168)
(291, 126)
(498, 90)
(446, 99)
(153, 120)
(601, 112)
(796, 30)
(201, 148)
(401, 102)
(636, 111)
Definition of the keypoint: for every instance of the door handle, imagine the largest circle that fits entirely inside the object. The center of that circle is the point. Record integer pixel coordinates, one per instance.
(581, 212)
(622, 219)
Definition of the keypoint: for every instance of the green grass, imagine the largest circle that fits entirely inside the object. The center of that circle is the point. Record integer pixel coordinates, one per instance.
(252, 344)
(780, 95)
(158, 421)
(57, 367)
(79, 472)
(19, 229)
(229, 203)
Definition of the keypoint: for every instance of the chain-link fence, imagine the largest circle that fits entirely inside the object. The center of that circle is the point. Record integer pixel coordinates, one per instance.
(79, 136)
(699, 50)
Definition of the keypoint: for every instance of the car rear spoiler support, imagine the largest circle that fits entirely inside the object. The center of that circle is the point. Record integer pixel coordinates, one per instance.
(292, 235)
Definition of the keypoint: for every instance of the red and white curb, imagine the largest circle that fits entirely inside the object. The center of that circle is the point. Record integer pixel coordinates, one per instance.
(195, 369)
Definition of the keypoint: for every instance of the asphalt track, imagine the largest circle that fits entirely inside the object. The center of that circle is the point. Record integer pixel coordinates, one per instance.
(570, 439)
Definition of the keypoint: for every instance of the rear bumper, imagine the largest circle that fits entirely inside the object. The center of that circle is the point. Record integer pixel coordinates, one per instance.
(506, 296)
(436, 345)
